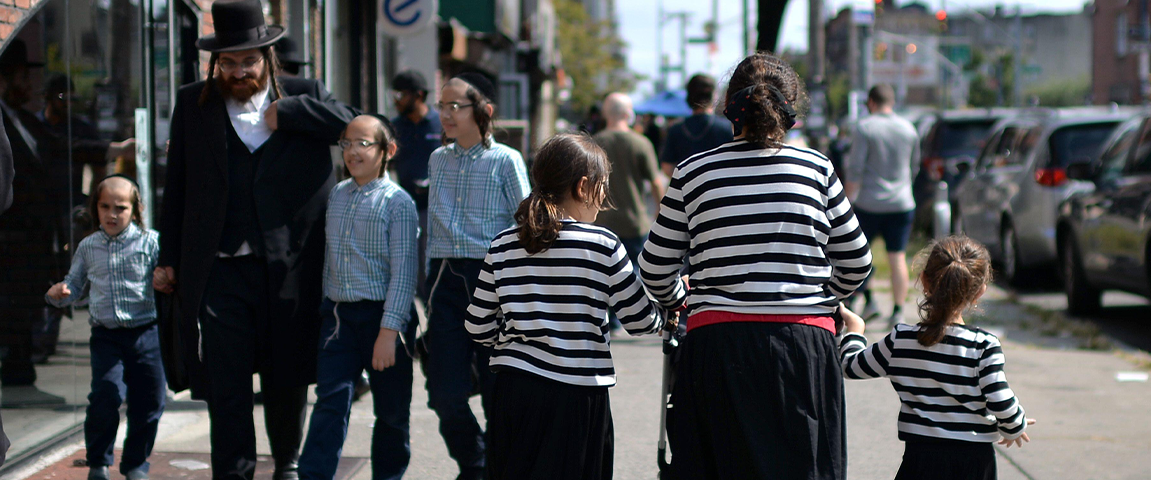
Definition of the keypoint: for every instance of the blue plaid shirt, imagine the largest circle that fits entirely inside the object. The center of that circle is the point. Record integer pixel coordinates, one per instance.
(372, 234)
(473, 196)
(116, 273)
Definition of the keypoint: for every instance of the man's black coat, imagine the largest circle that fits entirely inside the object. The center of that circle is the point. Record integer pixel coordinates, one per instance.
(290, 187)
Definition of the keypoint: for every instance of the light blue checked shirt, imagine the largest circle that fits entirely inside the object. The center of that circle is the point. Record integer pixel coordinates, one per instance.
(473, 196)
(116, 272)
(372, 241)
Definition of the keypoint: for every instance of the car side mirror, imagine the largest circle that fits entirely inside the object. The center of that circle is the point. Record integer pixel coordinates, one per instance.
(1081, 170)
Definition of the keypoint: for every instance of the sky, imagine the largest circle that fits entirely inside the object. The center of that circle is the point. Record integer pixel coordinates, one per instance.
(638, 27)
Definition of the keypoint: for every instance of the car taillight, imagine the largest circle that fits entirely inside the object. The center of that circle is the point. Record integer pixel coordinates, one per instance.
(934, 167)
(1051, 177)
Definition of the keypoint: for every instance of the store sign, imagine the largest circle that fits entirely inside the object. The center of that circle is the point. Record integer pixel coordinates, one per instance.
(401, 18)
(913, 62)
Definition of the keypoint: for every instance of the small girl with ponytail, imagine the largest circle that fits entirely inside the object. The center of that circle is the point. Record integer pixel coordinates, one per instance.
(541, 303)
(949, 376)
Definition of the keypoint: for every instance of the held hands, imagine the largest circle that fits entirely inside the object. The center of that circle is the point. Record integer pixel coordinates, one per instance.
(384, 353)
(1020, 440)
(852, 323)
(59, 291)
(270, 118)
(164, 279)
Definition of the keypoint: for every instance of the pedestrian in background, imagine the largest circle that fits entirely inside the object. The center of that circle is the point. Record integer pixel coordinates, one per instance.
(774, 247)
(700, 132)
(418, 133)
(954, 397)
(242, 236)
(475, 186)
(114, 266)
(633, 167)
(884, 159)
(369, 282)
(541, 302)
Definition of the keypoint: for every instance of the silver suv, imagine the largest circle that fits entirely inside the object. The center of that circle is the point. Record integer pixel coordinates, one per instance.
(1010, 197)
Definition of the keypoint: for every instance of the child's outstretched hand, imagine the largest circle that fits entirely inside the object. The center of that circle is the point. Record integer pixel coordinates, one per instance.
(384, 353)
(1020, 440)
(852, 323)
(59, 291)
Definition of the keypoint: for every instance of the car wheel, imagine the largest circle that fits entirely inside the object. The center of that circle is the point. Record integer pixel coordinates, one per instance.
(1082, 298)
(1009, 248)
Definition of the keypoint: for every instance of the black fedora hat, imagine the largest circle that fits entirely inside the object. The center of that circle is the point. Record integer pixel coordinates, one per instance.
(17, 54)
(239, 25)
(288, 53)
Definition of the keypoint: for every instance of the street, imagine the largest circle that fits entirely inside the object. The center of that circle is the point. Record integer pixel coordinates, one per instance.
(1065, 373)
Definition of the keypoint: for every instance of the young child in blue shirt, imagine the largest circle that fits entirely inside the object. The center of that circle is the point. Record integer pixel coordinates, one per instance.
(113, 266)
(475, 186)
(372, 234)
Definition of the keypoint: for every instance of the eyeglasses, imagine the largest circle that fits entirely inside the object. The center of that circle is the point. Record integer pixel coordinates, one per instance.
(346, 144)
(246, 65)
(452, 107)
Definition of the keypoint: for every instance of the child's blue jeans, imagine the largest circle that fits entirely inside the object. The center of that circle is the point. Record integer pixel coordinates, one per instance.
(346, 350)
(126, 365)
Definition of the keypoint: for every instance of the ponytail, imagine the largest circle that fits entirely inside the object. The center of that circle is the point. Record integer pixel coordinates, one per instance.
(540, 222)
(954, 274)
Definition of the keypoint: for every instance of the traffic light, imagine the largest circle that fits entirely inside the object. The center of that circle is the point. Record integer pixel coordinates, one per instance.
(878, 7)
(941, 16)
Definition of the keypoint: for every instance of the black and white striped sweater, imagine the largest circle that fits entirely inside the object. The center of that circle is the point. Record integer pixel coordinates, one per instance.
(765, 231)
(953, 390)
(546, 313)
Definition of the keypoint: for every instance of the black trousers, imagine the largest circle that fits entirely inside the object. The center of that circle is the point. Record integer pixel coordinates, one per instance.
(948, 460)
(544, 429)
(758, 401)
(235, 308)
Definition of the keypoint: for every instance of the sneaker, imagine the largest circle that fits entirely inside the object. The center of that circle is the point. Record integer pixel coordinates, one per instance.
(98, 473)
(137, 474)
(870, 311)
(896, 317)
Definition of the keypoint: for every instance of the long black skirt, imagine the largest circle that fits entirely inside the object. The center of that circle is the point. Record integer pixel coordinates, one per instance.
(948, 460)
(758, 401)
(543, 429)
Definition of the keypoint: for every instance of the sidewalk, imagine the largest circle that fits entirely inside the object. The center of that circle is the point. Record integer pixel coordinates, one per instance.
(1091, 426)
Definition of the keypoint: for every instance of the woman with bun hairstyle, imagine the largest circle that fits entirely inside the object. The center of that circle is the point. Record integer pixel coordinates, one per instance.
(774, 247)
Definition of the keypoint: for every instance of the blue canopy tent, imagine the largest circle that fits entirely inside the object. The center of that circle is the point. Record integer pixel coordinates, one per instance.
(672, 103)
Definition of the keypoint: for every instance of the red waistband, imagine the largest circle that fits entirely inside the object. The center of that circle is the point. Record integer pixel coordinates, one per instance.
(712, 317)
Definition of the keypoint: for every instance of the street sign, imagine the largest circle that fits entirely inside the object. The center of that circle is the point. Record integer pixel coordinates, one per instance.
(402, 18)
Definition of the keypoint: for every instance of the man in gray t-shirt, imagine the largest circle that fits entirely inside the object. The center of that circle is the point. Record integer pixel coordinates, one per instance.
(883, 161)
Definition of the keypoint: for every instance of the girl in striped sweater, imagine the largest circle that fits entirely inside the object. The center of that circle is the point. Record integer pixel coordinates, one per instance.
(949, 376)
(541, 302)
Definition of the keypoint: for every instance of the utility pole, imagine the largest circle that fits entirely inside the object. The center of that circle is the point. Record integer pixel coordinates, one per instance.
(816, 41)
(746, 34)
(1017, 85)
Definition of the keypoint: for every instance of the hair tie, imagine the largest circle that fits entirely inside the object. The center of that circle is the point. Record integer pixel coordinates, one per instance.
(738, 103)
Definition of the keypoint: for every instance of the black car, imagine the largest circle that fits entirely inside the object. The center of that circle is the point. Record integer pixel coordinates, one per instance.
(1102, 235)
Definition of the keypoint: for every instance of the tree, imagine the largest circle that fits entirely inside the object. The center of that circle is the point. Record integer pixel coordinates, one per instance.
(590, 51)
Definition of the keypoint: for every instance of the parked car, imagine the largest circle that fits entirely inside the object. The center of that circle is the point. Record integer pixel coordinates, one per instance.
(949, 137)
(1102, 234)
(1009, 197)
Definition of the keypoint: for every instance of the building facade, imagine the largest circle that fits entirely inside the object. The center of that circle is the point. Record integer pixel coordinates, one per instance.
(1119, 69)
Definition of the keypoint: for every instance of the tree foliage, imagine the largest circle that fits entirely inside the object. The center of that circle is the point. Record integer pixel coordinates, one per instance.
(591, 59)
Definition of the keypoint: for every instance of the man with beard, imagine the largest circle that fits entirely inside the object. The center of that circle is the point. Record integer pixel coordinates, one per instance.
(242, 235)
(32, 232)
(418, 132)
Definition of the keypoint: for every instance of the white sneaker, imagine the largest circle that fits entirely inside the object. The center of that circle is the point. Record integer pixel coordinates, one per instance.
(896, 317)
(870, 311)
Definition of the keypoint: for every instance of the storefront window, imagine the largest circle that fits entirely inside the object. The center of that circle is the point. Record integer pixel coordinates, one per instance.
(71, 86)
